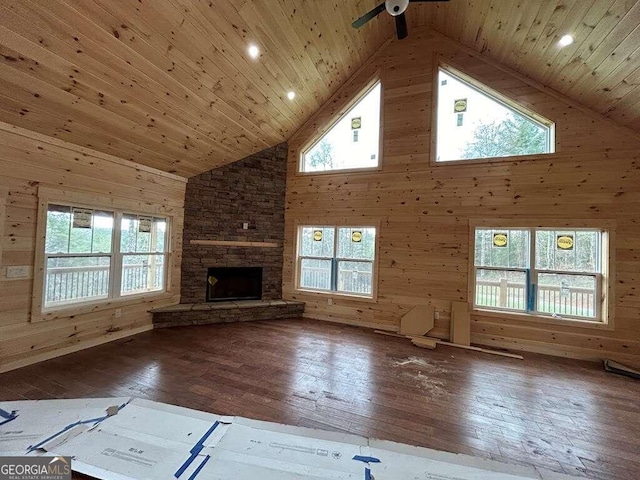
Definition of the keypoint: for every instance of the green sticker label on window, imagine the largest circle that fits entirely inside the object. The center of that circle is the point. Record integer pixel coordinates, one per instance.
(500, 240)
(356, 122)
(356, 236)
(317, 235)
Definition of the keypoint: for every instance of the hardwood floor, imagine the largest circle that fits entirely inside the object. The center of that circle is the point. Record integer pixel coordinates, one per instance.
(565, 415)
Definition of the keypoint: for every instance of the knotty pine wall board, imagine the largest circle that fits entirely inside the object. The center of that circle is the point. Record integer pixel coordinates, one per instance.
(30, 161)
(424, 209)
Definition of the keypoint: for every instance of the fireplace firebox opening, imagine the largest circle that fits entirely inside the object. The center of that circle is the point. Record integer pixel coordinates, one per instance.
(234, 283)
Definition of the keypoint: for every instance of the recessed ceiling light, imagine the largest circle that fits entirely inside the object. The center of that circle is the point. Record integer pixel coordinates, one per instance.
(254, 51)
(566, 40)
(291, 95)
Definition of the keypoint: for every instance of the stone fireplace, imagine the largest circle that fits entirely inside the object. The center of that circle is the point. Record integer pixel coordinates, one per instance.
(233, 245)
(234, 217)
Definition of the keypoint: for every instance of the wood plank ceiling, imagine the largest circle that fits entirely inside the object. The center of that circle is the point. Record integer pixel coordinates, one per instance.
(169, 83)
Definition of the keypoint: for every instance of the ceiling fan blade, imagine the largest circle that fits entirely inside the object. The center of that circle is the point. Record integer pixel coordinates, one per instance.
(368, 16)
(401, 26)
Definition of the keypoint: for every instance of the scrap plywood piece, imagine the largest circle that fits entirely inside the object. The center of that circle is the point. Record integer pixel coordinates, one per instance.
(418, 321)
(423, 342)
(615, 367)
(483, 350)
(460, 323)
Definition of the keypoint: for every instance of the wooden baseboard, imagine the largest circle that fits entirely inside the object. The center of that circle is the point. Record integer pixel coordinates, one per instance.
(355, 323)
(74, 348)
(567, 351)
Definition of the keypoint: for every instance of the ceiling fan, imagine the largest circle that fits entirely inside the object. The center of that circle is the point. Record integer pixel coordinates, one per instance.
(395, 8)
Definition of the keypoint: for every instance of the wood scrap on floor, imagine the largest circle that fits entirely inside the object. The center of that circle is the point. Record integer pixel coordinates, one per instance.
(424, 342)
(480, 349)
(418, 321)
(460, 323)
(421, 319)
(431, 343)
(615, 367)
(390, 334)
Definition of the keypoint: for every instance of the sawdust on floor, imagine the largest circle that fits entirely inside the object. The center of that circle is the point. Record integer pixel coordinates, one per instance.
(422, 371)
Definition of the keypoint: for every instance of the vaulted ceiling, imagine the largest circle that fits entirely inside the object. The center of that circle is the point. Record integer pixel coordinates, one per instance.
(169, 83)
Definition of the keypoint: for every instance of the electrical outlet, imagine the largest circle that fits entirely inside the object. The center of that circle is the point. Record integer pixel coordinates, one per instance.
(117, 313)
(245, 226)
(17, 272)
(329, 301)
(436, 315)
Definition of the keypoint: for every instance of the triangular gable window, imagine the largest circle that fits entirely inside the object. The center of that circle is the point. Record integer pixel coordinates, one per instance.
(353, 142)
(474, 122)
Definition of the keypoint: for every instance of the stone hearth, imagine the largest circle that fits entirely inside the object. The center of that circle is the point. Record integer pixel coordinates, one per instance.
(225, 312)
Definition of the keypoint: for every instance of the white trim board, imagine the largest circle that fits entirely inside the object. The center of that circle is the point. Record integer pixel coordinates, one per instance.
(125, 439)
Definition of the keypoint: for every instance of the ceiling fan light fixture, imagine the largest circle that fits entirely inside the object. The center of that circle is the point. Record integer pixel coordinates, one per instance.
(396, 7)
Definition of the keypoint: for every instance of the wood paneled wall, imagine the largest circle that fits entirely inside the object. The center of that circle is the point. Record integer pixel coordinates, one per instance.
(28, 161)
(425, 210)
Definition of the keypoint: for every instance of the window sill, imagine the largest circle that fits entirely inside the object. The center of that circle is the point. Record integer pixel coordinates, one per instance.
(476, 161)
(540, 319)
(98, 306)
(343, 171)
(332, 294)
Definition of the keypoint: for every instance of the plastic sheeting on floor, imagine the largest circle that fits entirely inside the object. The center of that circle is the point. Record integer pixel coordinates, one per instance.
(124, 439)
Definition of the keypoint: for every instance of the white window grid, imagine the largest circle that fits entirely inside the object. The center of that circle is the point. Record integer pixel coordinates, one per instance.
(335, 260)
(532, 273)
(116, 257)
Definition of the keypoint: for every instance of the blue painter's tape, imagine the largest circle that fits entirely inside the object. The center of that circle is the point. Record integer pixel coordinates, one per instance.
(367, 474)
(361, 458)
(69, 427)
(8, 417)
(5, 414)
(532, 298)
(195, 451)
(200, 467)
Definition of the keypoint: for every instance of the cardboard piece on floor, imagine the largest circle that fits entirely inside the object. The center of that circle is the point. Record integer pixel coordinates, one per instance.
(149, 440)
(460, 323)
(267, 450)
(144, 440)
(39, 420)
(404, 461)
(418, 321)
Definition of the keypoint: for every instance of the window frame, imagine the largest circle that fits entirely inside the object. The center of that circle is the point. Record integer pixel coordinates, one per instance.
(335, 260)
(48, 256)
(605, 284)
(375, 80)
(119, 207)
(121, 255)
(478, 85)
